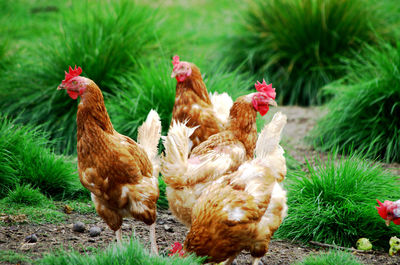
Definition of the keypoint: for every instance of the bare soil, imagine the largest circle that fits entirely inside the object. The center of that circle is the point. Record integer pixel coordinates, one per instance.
(169, 230)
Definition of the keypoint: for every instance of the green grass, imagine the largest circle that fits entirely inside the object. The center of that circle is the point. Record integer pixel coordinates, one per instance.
(28, 159)
(365, 110)
(334, 202)
(162, 201)
(332, 257)
(26, 195)
(83, 206)
(106, 40)
(300, 43)
(131, 253)
(46, 212)
(12, 257)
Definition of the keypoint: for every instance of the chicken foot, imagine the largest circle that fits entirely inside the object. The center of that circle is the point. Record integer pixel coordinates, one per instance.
(153, 242)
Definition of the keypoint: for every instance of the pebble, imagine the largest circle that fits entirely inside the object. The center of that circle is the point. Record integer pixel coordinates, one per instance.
(94, 231)
(91, 240)
(168, 228)
(79, 227)
(31, 238)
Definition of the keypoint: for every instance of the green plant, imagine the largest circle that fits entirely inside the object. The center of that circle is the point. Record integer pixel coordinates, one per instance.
(105, 39)
(334, 202)
(365, 110)
(26, 195)
(162, 201)
(130, 253)
(332, 257)
(28, 159)
(36, 214)
(12, 257)
(300, 43)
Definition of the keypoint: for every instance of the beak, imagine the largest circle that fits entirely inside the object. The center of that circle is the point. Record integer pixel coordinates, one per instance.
(387, 222)
(61, 87)
(173, 74)
(272, 102)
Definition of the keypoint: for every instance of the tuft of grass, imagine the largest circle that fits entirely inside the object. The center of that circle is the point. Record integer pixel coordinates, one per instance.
(83, 206)
(332, 257)
(36, 214)
(129, 253)
(365, 109)
(300, 43)
(105, 39)
(26, 195)
(334, 202)
(28, 159)
(13, 257)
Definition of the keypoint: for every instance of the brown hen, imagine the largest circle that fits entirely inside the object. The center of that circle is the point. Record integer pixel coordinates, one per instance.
(121, 175)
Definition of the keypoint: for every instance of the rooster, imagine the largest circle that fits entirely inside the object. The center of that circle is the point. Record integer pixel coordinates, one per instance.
(186, 177)
(389, 211)
(120, 173)
(194, 105)
(243, 209)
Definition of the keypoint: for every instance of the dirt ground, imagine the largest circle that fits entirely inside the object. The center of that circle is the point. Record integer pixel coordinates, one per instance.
(169, 230)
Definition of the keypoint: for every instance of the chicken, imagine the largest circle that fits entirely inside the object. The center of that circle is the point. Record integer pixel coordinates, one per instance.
(194, 105)
(121, 175)
(186, 177)
(390, 211)
(241, 210)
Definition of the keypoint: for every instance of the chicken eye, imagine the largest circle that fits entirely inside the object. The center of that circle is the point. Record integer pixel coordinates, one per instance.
(74, 82)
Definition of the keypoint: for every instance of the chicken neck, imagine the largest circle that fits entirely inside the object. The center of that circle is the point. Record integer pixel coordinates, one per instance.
(92, 113)
(193, 84)
(242, 123)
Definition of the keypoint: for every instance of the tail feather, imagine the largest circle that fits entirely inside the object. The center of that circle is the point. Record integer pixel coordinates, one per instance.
(270, 136)
(222, 104)
(149, 134)
(268, 148)
(177, 148)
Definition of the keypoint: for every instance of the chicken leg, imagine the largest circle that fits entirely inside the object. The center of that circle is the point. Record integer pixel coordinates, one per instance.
(153, 242)
(257, 261)
(118, 234)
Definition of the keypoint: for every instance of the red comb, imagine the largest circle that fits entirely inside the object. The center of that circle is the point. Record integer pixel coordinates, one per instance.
(175, 60)
(267, 89)
(382, 209)
(72, 73)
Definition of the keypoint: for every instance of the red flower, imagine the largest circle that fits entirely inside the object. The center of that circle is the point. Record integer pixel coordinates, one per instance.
(176, 248)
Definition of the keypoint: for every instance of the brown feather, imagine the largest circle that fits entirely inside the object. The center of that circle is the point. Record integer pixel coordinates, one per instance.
(193, 104)
(112, 166)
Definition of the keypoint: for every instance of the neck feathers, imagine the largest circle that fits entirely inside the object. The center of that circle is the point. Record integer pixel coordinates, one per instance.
(92, 111)
(195, 83)
(242, 123)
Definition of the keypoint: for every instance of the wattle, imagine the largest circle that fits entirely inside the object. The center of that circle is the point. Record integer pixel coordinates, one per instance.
(263, 109)
(180, 78)
(73, 94)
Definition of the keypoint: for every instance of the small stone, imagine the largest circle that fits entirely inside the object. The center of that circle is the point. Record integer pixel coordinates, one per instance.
(168, 228)
(91, 240)
(234, 262)
(31, 238)
(78, 227)
(94, 231)
(161, 222)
